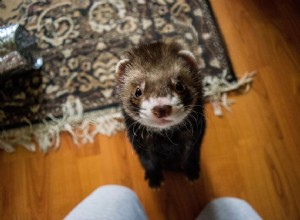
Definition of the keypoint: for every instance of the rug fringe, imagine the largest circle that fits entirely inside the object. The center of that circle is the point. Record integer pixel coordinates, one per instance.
(83, 127)
(216, 89)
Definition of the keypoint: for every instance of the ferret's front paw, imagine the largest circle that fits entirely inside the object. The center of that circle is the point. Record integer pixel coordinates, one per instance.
(192, 175)
(155, 183)
(154, 179)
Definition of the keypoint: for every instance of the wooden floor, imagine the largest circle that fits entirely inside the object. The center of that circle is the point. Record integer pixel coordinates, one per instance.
(252, 153)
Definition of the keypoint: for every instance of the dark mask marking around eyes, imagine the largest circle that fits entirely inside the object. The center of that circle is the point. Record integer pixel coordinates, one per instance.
(186, 98)
(134, 105)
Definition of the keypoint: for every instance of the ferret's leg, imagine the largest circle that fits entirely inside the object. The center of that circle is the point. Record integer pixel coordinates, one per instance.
(153, 172)
(191, 165)
(192, 161)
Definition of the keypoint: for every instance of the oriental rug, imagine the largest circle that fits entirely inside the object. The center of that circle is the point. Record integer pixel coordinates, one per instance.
(81, 41)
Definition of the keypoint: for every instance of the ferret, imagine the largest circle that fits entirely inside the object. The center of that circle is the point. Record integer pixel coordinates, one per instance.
(160, 91)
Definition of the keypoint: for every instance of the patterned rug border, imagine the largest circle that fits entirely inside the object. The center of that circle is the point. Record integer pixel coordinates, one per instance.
(221, 38)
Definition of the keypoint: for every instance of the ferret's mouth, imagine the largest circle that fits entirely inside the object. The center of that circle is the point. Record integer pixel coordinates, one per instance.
(164, 121)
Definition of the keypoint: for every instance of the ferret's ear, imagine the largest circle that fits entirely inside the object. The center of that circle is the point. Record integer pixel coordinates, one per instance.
(188, 57)
(120, 69)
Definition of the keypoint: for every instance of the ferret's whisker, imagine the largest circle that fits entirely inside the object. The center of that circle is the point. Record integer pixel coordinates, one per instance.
(144, 114)
(134, 123)
(170, 139)
(193, 117)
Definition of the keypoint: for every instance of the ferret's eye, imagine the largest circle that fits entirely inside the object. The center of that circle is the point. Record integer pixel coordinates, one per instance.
(179, 87)
(138, 92)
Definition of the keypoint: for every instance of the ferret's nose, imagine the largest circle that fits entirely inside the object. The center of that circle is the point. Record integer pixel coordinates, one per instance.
(162, 111)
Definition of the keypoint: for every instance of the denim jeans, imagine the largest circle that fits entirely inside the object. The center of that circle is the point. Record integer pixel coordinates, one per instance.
(113, 202)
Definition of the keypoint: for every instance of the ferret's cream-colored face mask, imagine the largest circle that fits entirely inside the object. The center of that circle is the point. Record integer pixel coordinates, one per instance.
(162, 112)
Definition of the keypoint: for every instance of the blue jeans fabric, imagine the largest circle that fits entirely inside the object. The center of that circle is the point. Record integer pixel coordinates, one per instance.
(113, 202)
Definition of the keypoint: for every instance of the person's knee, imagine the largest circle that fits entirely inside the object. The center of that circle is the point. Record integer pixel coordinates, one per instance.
(109, 202)
(229, 202)
(114, 189)
(228, 208)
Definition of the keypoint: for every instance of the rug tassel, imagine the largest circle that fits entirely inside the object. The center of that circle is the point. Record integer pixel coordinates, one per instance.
(216, 89)
(6, 146)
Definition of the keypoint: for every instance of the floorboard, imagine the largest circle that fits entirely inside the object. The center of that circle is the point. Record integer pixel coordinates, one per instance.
(252, 152)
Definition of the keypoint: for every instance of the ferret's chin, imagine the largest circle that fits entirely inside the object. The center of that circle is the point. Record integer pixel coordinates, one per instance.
(163, 123)
(159, 125)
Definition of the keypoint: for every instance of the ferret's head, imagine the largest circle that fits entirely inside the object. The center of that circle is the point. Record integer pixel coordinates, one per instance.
(158, 84)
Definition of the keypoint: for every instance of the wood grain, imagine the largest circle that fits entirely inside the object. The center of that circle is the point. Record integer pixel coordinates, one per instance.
(251, 153)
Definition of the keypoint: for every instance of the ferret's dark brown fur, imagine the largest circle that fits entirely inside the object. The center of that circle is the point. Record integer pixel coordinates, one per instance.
(160, 90)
